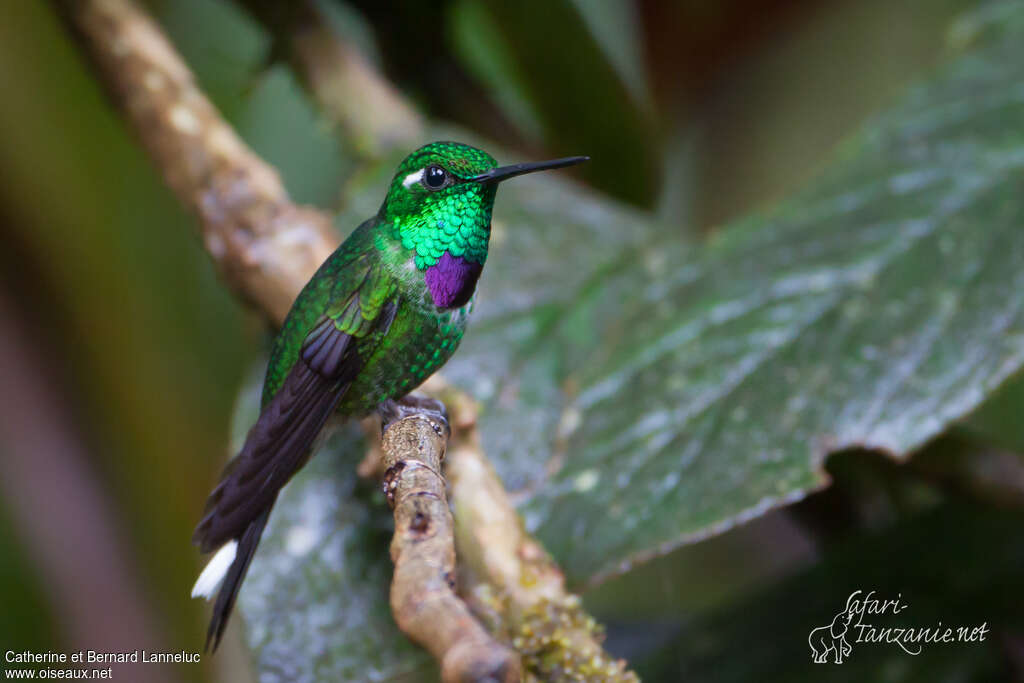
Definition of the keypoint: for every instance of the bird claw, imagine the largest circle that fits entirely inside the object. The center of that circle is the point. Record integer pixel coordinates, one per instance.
(392, 411)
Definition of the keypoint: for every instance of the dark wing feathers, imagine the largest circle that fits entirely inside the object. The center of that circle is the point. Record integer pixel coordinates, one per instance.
(275, 448)
(279, 443)
(324, 353)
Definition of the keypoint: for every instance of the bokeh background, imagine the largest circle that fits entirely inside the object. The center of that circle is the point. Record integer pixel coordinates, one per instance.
(121, 354)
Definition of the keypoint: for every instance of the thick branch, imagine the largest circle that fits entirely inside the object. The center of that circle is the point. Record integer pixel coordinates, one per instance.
(265, 246)
(423, 599)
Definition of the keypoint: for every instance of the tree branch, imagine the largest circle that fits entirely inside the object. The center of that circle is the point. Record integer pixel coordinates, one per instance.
(265, 246)
(423, 598)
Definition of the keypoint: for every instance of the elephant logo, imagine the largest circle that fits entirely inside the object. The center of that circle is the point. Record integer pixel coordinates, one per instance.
(832, 638)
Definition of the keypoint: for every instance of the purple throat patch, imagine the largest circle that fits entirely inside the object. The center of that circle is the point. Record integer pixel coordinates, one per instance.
(452, 280)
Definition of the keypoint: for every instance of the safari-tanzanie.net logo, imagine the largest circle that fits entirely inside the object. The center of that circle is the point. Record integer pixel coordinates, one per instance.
(864, 620)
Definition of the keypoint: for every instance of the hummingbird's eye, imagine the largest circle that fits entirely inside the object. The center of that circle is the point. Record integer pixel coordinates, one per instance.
(435, 177)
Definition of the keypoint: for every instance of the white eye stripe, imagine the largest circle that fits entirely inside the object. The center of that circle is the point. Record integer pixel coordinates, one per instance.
(413, 178)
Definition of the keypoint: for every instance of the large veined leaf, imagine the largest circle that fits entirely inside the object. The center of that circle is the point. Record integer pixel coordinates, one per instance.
(702, 386)
(640, 391)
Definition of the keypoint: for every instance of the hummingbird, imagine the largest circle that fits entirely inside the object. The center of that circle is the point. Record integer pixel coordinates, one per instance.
(383, 312)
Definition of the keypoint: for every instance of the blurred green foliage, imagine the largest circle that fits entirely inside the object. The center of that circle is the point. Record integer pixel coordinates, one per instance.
(152, 346)
(25, 623)
(695, 113)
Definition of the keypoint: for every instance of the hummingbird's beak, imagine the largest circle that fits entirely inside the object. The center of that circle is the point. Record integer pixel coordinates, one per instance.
(496, 175)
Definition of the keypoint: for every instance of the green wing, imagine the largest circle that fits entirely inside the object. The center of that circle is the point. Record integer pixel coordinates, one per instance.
(353, 320)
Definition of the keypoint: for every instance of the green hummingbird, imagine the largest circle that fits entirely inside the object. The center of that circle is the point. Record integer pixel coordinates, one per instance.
(381, 314)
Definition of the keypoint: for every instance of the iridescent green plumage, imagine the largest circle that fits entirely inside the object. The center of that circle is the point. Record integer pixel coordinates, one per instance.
(456, 220)
(413, 225)
(385, 310)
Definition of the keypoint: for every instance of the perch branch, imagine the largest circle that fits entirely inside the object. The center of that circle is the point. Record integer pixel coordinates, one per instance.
(423, 598)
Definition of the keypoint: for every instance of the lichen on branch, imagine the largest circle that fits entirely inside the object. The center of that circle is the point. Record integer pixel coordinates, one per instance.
(507, 577)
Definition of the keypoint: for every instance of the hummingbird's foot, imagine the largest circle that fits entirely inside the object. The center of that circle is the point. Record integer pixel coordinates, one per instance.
(391, 411)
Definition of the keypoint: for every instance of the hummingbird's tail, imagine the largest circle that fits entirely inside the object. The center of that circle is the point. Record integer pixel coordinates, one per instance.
(277, 446)
(227, 570)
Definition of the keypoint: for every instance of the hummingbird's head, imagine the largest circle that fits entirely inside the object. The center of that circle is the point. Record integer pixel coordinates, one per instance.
(442, 196)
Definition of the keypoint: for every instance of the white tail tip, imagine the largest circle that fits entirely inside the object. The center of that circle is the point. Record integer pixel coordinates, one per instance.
(209, 580)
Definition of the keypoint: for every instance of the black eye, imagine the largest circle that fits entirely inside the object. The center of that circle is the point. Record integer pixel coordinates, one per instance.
(435, 177)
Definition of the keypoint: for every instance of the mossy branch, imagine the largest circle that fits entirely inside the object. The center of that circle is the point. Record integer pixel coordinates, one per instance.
(506, 576)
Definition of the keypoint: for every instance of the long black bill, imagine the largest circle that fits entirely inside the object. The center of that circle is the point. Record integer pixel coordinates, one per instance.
(496, 175)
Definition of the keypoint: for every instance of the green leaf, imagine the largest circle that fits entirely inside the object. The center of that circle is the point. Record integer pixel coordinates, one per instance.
(477, 39)
(527, 52)
(688, 389)
(998, 419)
